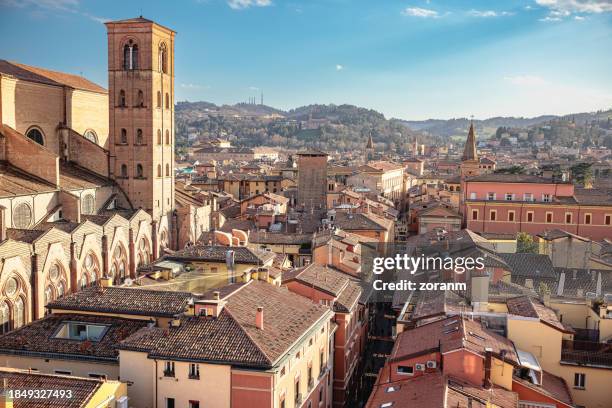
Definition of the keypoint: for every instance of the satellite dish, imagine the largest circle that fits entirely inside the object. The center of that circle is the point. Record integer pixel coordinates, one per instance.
(128, 282)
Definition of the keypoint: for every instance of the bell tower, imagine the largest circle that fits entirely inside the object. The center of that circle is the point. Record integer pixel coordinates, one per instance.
(141, 115)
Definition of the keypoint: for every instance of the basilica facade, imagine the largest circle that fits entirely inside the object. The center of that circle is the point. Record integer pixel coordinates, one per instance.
(87, 191)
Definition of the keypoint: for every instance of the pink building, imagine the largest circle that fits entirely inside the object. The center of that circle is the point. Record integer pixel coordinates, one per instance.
(512, 203)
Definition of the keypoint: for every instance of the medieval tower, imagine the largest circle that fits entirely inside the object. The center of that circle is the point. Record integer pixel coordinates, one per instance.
(141, 117)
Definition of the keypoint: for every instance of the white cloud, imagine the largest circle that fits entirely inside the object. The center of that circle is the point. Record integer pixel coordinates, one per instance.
(526, 80)
(420, 12)
(67, 5)
(559, 9)
(243, 4)
(339, 67)
(253, 88)
(579, 18)
(488, 13)
(194, 86)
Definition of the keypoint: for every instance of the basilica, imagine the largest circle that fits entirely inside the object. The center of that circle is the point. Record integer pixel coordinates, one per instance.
(87, 191)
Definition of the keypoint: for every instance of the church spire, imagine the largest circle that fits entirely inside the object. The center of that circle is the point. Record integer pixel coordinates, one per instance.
(370, 144)
(469, 152)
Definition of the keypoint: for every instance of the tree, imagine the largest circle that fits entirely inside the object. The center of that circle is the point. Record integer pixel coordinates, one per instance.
(525, 244)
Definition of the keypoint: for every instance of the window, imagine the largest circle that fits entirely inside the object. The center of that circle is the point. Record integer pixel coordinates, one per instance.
(88, 205)
(36, 135)
(568, 218)
(546, 198)
(296, 390)
(159, 99)
(124, 172)
(167, 137)
(159, 170)
(511, 216)
(163, 58)
(91, 136)
(194, 371)
(528, 197)
(167, 100)
(139, 171)
(491, 196)
(493, 215)
(81, 331)
(130, 56)
(159, 136)
(123, 139)
(167, 170)
(579, 380)
(140, 99)
(405, 370)
(472, 196)
(587, 218)
(170, 403)
(19, 319)
(169, 368)
(474, 214)
(22, 216)
(63, 372)
(530, 216)
(549, 217)
(5, 318)
(139, 139)
(48, 295)
(122, 101)
(608, 219)
(509, 197)
(194, 404)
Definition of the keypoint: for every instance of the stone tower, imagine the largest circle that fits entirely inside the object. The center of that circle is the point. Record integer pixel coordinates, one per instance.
(141, 116)
(312, 180)
(470, 165)
(369, 149)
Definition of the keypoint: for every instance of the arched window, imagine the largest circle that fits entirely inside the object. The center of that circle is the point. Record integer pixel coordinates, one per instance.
(167, 137)
(5, 318)
(90, 270)
(123, 136)
(36, 135)
(163, 58)
(89, 204)
(124, 173)
(159, 99)
(167, 101)
(130, 56)
(61, 289)
(122, 101)
(159, 170)
(22, 216)
(48, 295)
(83, 282)
(139, 137)
(139, 171)
(20, 318)
(91, 136)
(167, 170)
(140, 99)
(159, 136)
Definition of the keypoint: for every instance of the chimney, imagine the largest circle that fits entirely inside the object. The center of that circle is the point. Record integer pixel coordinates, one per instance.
(529, 283)
(487, 377)
(2, 223)
(259, 318)
(216, 295)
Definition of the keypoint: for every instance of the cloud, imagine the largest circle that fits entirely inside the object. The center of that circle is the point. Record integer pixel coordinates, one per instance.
(420, 12)
(559, 9)
(579, 18)
(526, 80)
(489, 13)
(339, 67)
(42, 7)
(194, 86)
(253, 88)
(244, 4)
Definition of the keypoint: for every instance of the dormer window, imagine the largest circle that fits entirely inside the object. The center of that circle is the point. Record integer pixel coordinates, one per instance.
(81, 331)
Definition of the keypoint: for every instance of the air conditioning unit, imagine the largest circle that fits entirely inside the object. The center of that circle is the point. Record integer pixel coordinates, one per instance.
(419, 367)
(431, 364)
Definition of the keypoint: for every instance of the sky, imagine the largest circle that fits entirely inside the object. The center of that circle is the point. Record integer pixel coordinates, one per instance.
(409, 59)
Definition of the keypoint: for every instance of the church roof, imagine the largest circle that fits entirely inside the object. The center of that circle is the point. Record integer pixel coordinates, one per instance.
(469, 152)
(48, 77)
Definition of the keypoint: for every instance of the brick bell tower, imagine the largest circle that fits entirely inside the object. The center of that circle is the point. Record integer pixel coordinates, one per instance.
(141, 116)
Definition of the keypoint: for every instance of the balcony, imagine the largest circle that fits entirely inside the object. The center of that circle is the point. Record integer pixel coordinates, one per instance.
(168, 373)
(586, 353)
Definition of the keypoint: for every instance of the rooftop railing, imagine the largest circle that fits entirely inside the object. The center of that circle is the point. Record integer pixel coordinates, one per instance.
(587, 353)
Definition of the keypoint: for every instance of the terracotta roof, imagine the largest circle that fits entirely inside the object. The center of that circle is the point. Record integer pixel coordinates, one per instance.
(140, 302)
(552, 386)
(527, 306)
(74, 177)
(218, 253)
(438, 303)
(48, 77)
(82, 389)
(514, 178)
(360, 222)
(39, 339)
(279, 238)
(24, 235)
(451, 334)
(233, 337)
(529, 265)
(15, 182)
